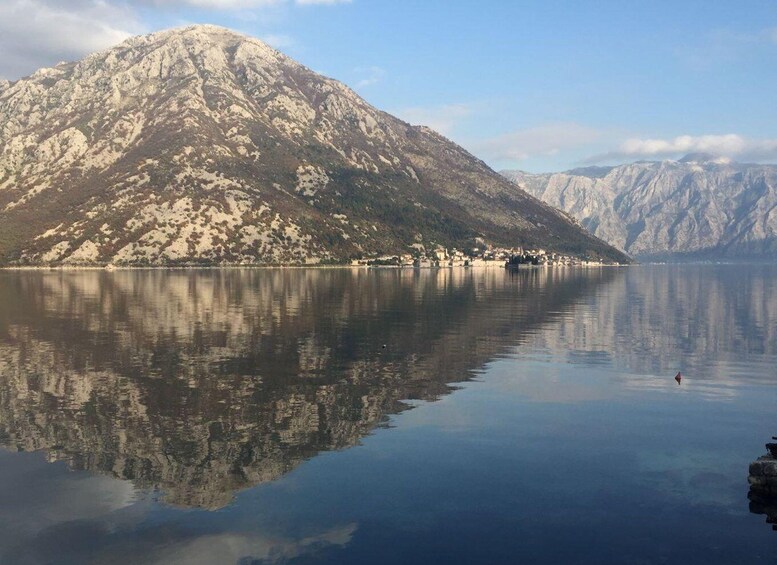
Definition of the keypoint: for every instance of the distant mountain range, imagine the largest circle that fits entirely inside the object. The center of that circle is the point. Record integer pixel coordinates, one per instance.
(700, 207)
(201, 145)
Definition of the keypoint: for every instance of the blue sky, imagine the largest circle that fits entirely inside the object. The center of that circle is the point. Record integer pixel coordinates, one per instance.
(540, 86)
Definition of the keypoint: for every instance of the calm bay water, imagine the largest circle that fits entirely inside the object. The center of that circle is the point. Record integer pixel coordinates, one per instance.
(386, 416)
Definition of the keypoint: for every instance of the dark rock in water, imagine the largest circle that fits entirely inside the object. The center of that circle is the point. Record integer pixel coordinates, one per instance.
(764, 466)
(765, 505)
(763, 476)
(763, 486)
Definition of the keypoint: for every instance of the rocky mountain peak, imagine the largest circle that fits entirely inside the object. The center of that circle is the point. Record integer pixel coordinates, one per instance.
(199, 40)
(200, 144)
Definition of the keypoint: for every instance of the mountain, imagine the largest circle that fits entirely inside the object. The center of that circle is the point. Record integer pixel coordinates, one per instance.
(700, 207)
(201, 145)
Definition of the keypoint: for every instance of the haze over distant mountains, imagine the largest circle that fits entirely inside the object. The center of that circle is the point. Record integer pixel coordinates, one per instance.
(201, 145)
(700, 207)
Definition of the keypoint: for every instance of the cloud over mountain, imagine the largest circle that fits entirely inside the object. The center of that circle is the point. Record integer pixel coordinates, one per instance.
(730, 145)
(35, 33)
(41, 33)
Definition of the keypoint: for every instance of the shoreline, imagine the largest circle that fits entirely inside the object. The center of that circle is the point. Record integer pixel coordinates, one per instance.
(114, 268)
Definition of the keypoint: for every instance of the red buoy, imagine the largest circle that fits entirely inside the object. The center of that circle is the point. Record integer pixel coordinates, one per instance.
(678, 377)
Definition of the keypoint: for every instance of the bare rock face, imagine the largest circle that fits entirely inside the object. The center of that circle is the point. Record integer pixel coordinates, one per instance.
(203, 145)
(698, 207)
(763, 486)
(763, 475)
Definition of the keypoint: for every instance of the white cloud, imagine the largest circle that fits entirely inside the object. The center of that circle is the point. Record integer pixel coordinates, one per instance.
(38, 33)
(372, 75)
(442, 119)
(719, 144)
(58, 498)
(41, 33)
(544, 140)
(216, 4)
(239, 4)
(243, 547)
(730, 145)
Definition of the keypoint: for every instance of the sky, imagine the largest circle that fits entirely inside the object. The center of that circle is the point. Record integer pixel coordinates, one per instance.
(534, 85)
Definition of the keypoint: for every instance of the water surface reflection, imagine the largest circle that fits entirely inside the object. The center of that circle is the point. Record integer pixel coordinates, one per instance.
(247, 416)
(202, 383)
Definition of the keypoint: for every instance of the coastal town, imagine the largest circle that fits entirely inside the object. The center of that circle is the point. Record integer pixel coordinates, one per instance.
(489, 256)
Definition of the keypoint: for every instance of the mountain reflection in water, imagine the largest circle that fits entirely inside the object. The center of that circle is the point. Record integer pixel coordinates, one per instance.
(174, 392)
(202, 383)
